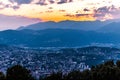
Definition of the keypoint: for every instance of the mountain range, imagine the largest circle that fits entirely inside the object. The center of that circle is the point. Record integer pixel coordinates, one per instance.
(56, 38)
(63, 34)
(98, 26)
(113, 27)
(77, 25)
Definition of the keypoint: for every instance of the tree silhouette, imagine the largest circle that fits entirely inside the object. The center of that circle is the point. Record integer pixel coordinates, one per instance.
(2, 76)
(18, 72)
(54, 76)
(118, 63)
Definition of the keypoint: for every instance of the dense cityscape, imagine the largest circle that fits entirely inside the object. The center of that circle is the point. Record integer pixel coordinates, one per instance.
(45, 61)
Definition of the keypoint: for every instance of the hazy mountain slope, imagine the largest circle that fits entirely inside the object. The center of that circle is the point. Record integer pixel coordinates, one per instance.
(110, 28)
(79, 25)
(56, 38)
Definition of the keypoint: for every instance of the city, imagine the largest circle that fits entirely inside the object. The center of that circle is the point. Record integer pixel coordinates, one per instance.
(42, 62)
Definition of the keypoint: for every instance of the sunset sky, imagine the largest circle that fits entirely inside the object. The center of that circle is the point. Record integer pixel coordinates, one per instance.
(15, 13)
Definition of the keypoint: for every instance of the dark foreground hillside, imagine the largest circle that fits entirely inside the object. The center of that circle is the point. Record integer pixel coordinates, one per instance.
(106, 71)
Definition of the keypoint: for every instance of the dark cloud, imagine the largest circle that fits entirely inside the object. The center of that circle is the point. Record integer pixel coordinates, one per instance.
(3, 6)
(42, 2)
(51, 1)
(77, 15)
(70, 15)
(99, 15)
(50, 8)
(61, 10)
(64, 1)
(21, 1)
(70, 0)
(15, 7)
(102, 11)
(86, 9)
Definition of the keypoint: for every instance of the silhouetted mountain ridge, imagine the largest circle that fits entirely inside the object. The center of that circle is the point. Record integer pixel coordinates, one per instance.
(99, 26)
(78, 25)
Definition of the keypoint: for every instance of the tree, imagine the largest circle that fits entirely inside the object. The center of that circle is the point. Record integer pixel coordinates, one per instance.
(18, 72)
(2, 76)
(118, 63)
(105, 71)
(73, 75)
(109, 63)
(54, 76)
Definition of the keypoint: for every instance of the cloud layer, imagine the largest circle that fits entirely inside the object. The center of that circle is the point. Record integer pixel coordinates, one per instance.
(21, 1)
(58, 10)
